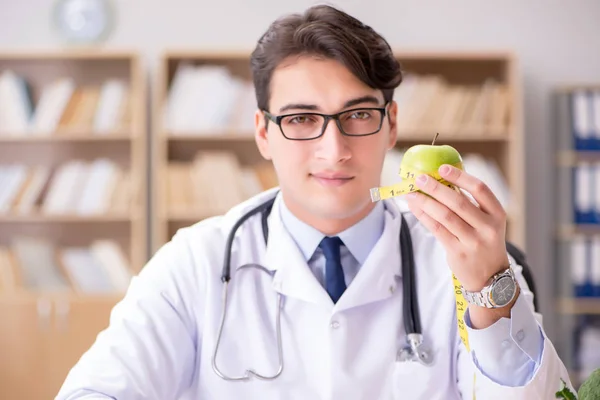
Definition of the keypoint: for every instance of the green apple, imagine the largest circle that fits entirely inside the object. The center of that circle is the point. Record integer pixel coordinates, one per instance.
(427, 158)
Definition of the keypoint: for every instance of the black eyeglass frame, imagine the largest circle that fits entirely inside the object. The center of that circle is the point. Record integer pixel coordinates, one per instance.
(326, 118)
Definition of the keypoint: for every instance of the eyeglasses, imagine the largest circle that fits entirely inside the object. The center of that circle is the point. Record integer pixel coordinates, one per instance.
(311, 125)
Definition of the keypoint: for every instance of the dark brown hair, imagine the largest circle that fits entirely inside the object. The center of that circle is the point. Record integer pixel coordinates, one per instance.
(326, 32)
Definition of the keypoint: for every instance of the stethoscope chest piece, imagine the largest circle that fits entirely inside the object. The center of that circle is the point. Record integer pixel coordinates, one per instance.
(415, 350)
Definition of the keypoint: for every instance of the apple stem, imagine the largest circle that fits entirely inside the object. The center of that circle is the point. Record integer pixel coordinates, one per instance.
(436, 135)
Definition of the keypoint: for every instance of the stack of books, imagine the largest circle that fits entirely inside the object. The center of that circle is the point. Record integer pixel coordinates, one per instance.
(75, 187)
(63, 107)
(428, 103)
(34, 264)
(209, 100)
(215, 181)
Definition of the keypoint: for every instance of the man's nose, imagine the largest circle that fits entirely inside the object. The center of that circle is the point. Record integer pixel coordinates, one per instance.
(333, 144)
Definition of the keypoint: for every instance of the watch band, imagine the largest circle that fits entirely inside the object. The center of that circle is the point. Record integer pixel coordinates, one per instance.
(483, 298)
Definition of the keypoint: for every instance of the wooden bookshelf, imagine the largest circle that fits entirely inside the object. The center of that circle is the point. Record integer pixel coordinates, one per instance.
(178, 140)
(501, 141)
(576, 224)
(473, 100)
(86, 109)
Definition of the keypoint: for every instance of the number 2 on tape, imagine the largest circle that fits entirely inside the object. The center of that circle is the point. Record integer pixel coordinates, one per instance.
(407, 185)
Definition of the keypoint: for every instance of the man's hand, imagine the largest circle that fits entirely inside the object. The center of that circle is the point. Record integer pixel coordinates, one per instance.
(472, 234)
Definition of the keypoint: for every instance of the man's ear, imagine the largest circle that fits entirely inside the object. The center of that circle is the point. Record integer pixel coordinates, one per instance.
(261, 135)
(393, 121)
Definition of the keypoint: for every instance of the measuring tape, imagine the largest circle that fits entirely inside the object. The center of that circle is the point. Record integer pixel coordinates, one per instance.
(407, 185)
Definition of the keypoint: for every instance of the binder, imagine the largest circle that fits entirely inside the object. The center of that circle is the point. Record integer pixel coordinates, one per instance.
(582, 120)
(596, 192)
(595, 116)
(580, 271)
(595, 265)
(584, 193)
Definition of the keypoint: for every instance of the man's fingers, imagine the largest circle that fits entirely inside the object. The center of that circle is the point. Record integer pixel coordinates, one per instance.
(482, 194)
(454, 200)
(445, 225)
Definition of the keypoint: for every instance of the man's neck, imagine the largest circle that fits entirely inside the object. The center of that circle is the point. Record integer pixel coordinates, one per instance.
(327, 226)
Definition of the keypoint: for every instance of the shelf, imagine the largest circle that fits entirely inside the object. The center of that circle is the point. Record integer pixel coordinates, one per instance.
(579, 306)
(66, 218)
(74, 54)
(455, 55)
(210, 137)
(189, 216)
(569, 158)
(568, 231)
(456, 136)
(59, 137)
(403, 136)
(20, 294)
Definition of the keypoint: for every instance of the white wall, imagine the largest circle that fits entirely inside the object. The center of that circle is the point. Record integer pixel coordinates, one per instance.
(556, 41)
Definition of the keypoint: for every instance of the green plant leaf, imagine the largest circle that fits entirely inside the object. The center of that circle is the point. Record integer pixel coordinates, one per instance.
(565, 392)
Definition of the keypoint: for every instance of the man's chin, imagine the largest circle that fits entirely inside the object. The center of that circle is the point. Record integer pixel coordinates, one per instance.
(337, 206)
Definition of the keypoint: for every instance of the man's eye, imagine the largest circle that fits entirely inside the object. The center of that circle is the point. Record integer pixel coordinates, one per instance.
(298, 119)
(360, 115)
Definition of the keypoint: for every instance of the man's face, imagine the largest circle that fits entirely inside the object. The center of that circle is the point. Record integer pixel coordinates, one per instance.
(325, 181)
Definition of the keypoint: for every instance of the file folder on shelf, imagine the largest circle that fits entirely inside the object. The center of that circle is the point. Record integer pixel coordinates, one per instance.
(584, 109)
(586, 193)
(585, 265)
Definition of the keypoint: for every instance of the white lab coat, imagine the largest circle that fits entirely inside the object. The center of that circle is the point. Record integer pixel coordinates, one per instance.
(162, 335)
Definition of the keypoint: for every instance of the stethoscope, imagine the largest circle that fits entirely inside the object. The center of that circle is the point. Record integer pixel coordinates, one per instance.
(414, 349)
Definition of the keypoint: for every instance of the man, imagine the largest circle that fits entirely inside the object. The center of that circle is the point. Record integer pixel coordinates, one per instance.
(324, 87)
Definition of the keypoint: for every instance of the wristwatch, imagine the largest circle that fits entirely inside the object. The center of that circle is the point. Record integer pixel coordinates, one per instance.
(500, 292)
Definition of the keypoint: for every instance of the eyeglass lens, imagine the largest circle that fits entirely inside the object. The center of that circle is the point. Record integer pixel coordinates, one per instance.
(352, 122)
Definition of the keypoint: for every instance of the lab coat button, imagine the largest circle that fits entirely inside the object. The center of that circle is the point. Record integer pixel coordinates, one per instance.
(335, 324)
(520, 335)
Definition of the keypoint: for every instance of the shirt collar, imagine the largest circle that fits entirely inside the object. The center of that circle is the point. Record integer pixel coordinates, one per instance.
(359, 238)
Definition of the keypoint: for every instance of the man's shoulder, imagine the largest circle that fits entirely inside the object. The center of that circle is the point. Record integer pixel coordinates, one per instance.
(212, 232)
(195, 249)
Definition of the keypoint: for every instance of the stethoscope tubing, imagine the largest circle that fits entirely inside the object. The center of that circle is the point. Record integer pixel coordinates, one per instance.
(410, 307)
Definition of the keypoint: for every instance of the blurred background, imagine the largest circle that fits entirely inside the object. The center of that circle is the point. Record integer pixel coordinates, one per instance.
(116, 116)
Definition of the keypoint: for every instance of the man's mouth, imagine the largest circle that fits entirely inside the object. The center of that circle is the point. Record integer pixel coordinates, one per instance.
(332, 178)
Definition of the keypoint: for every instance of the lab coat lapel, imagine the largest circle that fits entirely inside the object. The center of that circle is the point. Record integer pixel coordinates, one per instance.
(380, 275)
(293, 276)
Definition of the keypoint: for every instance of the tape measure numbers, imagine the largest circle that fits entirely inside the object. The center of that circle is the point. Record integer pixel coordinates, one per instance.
(461, 308)
(405, 186)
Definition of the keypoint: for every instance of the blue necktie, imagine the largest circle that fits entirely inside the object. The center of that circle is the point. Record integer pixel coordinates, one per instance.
(334, 274)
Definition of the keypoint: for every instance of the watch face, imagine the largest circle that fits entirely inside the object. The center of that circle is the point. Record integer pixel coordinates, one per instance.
(503, 291)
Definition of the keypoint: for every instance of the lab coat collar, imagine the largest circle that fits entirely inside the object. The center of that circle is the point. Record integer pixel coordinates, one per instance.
(380, 275)
(292, 276)
(377, 279)
(359, 239)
